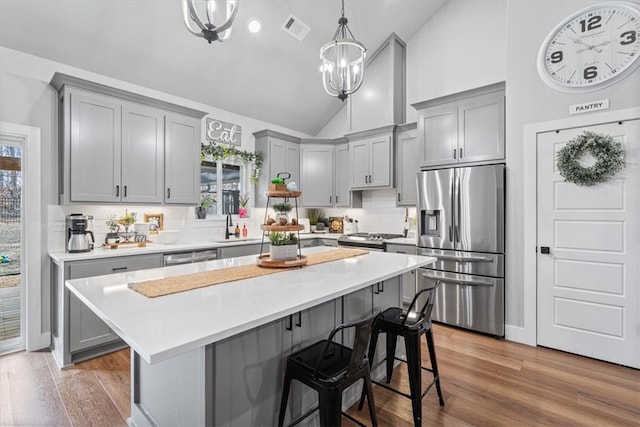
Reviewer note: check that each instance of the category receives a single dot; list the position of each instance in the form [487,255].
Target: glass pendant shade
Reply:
[212,9]
[342,62]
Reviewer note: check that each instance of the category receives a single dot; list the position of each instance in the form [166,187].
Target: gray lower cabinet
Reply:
[327,242]
[249,368]
[78,334]
[357,305]
[408,279]
[385,295]
[240,250]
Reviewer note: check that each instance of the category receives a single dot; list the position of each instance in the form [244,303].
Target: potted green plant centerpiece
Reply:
[284,246]
[282,212]
[205,203]
[314,214]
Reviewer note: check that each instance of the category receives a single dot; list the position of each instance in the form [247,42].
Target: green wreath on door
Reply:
[608,153]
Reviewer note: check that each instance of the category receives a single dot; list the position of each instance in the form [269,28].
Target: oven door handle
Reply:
[464,258]
[472,282]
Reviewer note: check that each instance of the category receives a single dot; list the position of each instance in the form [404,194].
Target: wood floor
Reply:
[486,382]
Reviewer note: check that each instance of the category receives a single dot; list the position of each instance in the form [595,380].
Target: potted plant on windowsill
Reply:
[284,246]
[242,210]
[205,203]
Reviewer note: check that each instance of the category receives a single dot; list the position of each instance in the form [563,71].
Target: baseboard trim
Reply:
[517,334]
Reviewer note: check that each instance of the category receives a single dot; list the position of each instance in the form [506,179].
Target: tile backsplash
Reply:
[378,214]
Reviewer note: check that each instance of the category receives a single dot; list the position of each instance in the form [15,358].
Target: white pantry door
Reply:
[589,282]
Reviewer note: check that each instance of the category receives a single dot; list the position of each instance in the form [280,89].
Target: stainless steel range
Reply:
[371,241]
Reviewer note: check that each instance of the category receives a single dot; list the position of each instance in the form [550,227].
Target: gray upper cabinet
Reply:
[481,128]
[344,197]
[408,156]
[182,160]
[95,146]
[317,179]
[119,147]
[462,128]
[371,158]
[280,153]
[142,154]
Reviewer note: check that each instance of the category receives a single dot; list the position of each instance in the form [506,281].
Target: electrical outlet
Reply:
[58,226]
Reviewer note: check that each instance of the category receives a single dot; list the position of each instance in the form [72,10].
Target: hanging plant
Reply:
[225,152]
[609,155]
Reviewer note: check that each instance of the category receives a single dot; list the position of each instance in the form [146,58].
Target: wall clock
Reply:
[593,48]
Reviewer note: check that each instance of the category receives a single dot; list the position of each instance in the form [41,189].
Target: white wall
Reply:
[529,100]
[462,47]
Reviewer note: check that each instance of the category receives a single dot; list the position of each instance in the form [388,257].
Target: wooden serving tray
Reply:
[264,260]
[115,245]
[284,193]
[274,227]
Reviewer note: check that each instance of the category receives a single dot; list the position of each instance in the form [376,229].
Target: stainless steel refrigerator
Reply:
[461,214]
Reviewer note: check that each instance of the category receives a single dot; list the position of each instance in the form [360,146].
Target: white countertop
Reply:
[163,327]
[151,248]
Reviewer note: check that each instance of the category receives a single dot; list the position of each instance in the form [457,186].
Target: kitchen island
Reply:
[214,355]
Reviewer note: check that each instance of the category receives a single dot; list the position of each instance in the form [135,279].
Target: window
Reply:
[225,183]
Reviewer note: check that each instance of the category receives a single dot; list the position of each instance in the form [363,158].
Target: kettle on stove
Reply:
[77,234]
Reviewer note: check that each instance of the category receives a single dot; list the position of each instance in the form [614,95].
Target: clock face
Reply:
[592,49]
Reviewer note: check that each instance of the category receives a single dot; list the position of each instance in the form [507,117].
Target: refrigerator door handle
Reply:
[473,282]
[458,203]
[464,258]
[452,227]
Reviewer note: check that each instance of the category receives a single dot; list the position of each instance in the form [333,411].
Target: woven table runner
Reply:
[171,285]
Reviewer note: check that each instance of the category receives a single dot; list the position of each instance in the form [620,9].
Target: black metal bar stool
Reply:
[329,368]
[410,325]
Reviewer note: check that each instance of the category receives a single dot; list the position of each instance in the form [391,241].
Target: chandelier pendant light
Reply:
[342,62]
[206,29]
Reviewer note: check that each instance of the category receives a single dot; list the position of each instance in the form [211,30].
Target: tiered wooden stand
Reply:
[264,259]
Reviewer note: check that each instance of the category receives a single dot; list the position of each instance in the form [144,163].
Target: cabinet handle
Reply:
[168,193]
[370,179]
[119,268]
[376,289]
[365,179]
[454,153]
[336,199]
[125,191]
[330,197]
[299,322]
[381,284]
[399,197]
[289,327]
[460,152]
[117,191]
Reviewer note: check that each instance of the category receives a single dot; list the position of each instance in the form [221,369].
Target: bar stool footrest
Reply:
[408,396]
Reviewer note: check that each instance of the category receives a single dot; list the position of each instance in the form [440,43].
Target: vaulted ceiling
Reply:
[270,76]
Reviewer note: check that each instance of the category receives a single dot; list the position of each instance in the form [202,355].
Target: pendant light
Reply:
[208,30]
[342,62]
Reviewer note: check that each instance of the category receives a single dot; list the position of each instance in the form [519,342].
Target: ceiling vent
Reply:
[296,28]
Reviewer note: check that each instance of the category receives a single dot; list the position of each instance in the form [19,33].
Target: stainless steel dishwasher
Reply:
[189,257]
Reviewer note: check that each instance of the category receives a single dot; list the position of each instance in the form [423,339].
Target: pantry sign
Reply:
[219,132]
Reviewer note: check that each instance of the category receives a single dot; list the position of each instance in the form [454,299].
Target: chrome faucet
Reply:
[228,223]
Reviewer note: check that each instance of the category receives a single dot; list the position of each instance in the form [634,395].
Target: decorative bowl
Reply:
[168,237]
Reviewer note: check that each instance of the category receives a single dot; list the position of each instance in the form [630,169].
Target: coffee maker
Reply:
[77,234]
